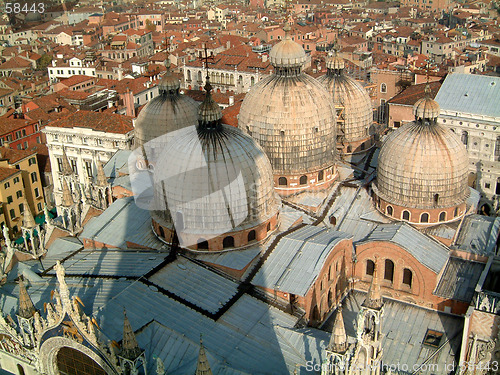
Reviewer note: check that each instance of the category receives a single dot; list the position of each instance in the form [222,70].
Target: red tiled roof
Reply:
[14,155]
[413,93]
[7,172]
[110,123]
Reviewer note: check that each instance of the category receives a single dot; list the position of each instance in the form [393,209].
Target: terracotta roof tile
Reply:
[7,172]
[110,123]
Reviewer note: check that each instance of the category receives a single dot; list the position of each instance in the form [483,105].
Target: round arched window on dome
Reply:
[442,216]
[406,215]
[282,181]
[424,218]
[228,242]
[455,213]
[202,244]
[389,210]
[268,227]
[321,176]
[251,235]
[303,180]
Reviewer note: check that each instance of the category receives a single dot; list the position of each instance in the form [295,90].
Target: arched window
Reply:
[202,244]
[330,298]
[199,76]
[320,176]
[442,216]
[268,227]
[455,213]
[407,277]
[330,272]
[282,181]
[303,180]
[162,232]
[251,235]
[349,148]
[406,215]
[383,88]
[389,270]
[370,267]
[20,369]
[252,81]
[436,198]
[188,75]
[465,138]
[228,242]
[389,210]
[315,313]
[424,218]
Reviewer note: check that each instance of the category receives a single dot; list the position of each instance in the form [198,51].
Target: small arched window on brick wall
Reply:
[370,267]
[424,218]
[406,215]
[389,270]
[303,180]
[442,216]
[389,210]
[228,242]
[251,235]
[282,181]
[407,277]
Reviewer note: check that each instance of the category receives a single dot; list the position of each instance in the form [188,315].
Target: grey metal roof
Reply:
[117,163]
[250,338]
[426,250]
[459,279]
[470,93]
[109,262]
[123,222]
[235,259]
[297,259]
[478,234]
[59,249]
[404,327]
[188,280]
[355,213]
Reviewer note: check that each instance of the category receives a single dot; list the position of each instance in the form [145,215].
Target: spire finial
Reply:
[67,198]
[374,296]
[26,307]
[28,219]
[66,166]
[287,28]
[203,367]
[338,340]
[102,180]
[130,348]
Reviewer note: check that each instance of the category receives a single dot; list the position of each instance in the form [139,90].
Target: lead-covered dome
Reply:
[352,104]
[424,166]
[168,112]
[290,115]
[214,184]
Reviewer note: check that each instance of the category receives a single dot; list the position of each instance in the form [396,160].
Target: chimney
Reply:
[264,57]
[231,100]
[120,74]
[128,100]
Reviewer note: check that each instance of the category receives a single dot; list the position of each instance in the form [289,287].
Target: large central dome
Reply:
[422,170]
[214,185]
[291,116]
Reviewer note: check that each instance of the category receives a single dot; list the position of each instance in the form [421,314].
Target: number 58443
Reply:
[24,8]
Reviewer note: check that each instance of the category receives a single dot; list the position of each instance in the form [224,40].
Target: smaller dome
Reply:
[287,53]
[168,82]
[335,62]
[426,108]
